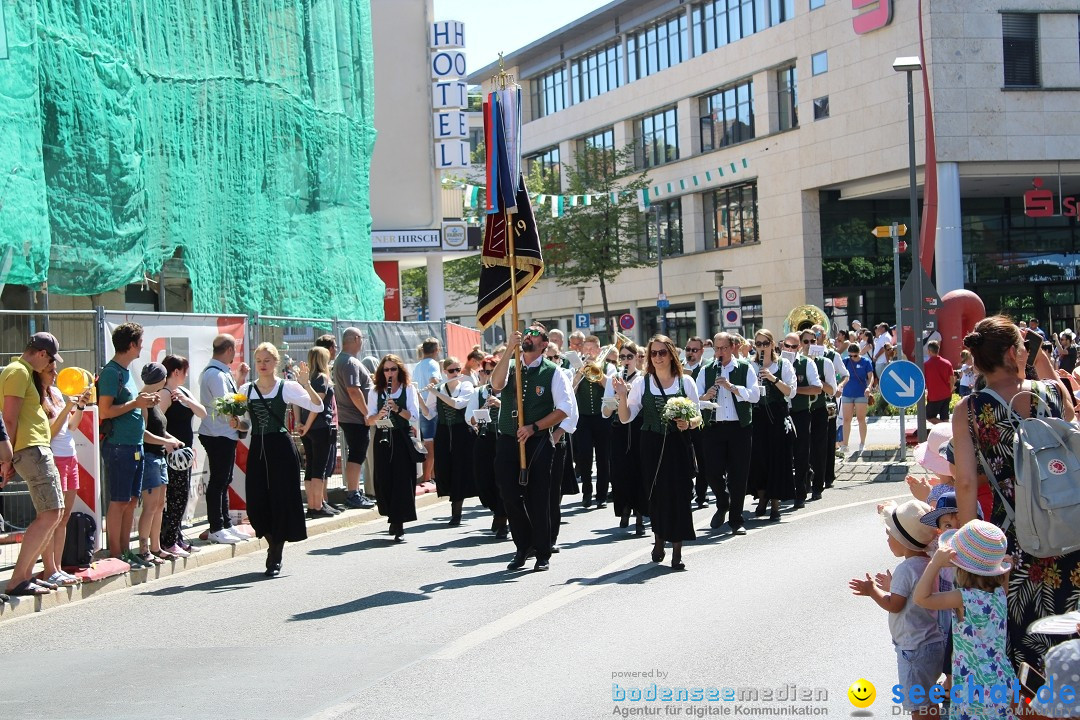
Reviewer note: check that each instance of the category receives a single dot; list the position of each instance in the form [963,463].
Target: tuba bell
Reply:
[805,317]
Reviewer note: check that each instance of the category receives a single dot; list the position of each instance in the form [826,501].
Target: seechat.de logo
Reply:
[873,19]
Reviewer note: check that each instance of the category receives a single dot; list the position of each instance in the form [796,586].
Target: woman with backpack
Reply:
[983,432]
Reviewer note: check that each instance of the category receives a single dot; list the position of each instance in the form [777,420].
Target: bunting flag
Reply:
[643,200]
[493,294]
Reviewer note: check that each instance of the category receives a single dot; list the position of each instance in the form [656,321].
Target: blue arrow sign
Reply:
[902,383]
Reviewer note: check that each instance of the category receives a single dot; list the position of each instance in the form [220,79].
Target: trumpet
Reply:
[593,371]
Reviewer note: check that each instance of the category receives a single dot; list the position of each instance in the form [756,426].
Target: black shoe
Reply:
[586,503]
[624,521]
[717,520]
[799,505]
[601,504]
[319,513]
[454,521]
[327,507]
[399,537]
[518,562]
[658,555]
[815,496]
[760,511]
[678,566]
[639,528]
[702,503]
[554,548]
[541,565]
[366,503]
[774,516]
[739,531]
[501,534]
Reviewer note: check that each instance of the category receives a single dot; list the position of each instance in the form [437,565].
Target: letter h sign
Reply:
[874,19]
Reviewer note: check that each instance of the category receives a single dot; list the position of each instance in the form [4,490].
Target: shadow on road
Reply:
[372,542]
[379,599]
[237,582]
[494,578]
[636,575]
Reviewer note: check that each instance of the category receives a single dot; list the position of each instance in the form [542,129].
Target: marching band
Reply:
[660,428]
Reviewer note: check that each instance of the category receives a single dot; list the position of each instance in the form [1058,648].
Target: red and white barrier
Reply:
[88,455]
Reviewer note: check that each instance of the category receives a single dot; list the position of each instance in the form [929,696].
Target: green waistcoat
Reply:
[818,401]
[743,410]
[589,395]
[449,415]
[267,415]
[652,408]
[772,395]
[696,371]
[487,428]
[401,400]
[539,402]
[800,402]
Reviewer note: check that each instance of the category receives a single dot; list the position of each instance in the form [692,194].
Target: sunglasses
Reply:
[806,341]
[390,370]
[791,347]
[658,353]
[693,350]
[762,343]
[535,333]
[453,371]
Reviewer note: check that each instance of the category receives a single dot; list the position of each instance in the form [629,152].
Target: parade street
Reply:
[358,627]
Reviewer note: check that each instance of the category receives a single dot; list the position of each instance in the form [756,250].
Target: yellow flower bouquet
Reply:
[232,404]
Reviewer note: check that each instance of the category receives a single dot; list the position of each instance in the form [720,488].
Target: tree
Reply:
[594,243]
[460,278]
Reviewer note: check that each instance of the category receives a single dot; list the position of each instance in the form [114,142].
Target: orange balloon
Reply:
[72,381]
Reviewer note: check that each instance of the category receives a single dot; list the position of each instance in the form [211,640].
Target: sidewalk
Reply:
[208,555]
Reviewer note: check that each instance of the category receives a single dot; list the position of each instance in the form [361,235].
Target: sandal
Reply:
[149,560]
[163,555]
[26,589]
[62,579]
[47,584]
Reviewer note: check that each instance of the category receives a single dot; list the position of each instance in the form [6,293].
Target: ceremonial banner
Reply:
[493,297]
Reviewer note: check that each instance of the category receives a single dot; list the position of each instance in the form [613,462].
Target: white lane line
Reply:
[566,595]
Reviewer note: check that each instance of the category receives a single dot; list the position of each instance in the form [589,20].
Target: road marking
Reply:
[566,595]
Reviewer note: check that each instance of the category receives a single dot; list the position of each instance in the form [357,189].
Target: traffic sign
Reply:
[931,299]
[626,321]
[663,303]
[732,318]
[731,297]
[582,321]
[884,231]
[902,383]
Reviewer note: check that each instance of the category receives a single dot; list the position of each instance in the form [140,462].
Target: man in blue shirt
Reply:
[121,408]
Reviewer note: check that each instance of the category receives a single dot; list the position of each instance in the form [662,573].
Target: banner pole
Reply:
[518,397]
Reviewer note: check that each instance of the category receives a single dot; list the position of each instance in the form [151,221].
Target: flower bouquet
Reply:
[232,405]
[681,408]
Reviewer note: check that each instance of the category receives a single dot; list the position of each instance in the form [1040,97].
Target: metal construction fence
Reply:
[85,341]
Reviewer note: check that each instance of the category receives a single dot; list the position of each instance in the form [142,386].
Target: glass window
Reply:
[727,116]
[657,47]
[716,23]
[657,138]
[815,4]
[549,164]
[787,98]
[549,93]
[1020,40]
[821,108]
[731,216]
[596,73]
[819,63]
[669,215]
[596,154]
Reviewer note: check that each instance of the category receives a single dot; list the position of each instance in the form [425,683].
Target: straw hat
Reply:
[902,522]
[980,548]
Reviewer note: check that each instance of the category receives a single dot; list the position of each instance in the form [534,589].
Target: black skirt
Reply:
[274,503]
[453,462]
[667,466]
[395,476]
[630,493]
[771,473]
[484,472]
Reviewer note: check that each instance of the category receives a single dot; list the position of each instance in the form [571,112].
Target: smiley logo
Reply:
[862,693]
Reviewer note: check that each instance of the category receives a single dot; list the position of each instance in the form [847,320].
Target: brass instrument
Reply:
[593,369]
[593,372]
[805,317]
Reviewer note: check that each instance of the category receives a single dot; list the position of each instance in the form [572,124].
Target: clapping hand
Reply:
[864,588]
[884,580]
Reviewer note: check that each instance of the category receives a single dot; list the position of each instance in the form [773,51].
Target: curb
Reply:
[209,554]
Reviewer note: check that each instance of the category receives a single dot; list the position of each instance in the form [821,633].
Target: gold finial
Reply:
[502,79]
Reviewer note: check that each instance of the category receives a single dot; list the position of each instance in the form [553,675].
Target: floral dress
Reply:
[1037,586]
[979,653]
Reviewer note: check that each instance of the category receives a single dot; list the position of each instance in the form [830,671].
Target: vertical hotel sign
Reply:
[449,95]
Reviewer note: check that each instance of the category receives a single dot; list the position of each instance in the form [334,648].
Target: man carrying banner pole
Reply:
[512,263]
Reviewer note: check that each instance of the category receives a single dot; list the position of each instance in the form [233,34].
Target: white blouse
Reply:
[291,391]
[411,403]
[786,375]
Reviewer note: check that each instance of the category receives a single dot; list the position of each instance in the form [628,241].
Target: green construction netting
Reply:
[238,130]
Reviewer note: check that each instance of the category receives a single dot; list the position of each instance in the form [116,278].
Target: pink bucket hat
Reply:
[928,454]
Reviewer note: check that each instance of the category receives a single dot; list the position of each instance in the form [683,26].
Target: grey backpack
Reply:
[1046,452]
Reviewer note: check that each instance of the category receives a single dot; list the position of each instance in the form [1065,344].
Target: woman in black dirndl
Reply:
[666,452]
[392,401]
[771,473]
[453,438]
[483,456]
[274,503]
[631,496]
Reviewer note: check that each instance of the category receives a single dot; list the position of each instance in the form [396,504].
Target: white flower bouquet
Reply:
[681,408]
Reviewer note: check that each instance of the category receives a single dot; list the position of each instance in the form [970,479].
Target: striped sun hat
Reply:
[980,548]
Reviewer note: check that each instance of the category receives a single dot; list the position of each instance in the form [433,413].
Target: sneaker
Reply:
[843,451]
[353,501]
[187,547]
[177,551]
[327,507]
[862,449]
[223,537]
[366,502]
[240,537]
[320,513]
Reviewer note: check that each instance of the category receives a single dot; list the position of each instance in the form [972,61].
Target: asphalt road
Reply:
[357,627]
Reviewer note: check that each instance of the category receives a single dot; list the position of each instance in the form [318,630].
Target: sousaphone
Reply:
[804,317]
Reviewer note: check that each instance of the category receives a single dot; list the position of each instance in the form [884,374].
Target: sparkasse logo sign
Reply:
[874,19]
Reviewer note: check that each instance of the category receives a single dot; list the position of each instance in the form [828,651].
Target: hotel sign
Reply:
[449,95]
[877,14]
[405,239]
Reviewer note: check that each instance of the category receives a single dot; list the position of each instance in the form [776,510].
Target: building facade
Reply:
[775,135]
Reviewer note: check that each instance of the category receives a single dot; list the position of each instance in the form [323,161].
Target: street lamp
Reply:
[718,276]
[581,300]
[910,65]
[660,274]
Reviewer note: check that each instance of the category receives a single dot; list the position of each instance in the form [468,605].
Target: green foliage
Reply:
[852,256]
[460,279]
